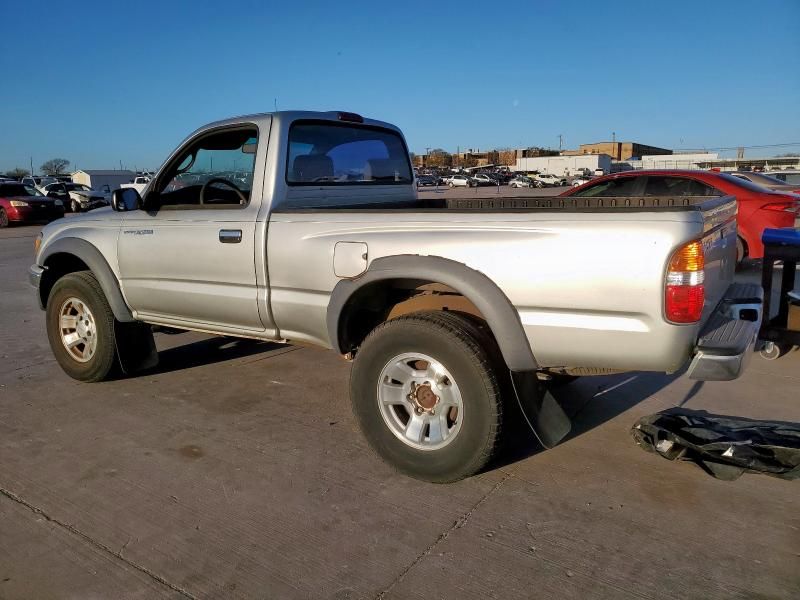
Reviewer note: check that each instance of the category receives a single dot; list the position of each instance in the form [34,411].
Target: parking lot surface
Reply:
[235,469]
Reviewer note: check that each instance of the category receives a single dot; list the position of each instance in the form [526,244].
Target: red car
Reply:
[759,208]
[20,203]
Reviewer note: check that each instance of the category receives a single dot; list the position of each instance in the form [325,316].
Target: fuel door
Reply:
[349,259]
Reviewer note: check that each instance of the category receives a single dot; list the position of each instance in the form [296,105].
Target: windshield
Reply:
[78,187]
[748,185]
[14,189]
[764,179]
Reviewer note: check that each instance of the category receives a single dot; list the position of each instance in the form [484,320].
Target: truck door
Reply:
[190,256]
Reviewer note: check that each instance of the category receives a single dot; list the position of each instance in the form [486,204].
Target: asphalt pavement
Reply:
[235,470]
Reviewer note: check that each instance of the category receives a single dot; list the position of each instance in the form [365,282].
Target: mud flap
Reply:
[541,410]
[136,348]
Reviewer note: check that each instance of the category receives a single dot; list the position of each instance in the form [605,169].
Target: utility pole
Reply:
[560,142]
[31,166]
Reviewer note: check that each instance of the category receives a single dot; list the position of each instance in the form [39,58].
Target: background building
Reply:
[618,150]
[97,179]
[564,166]
[667,161]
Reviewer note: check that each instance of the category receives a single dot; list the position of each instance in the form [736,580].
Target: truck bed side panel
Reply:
[588,287]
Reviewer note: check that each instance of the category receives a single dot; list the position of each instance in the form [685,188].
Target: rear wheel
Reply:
[425,394]
[741,251]
[80,327]
[3,218]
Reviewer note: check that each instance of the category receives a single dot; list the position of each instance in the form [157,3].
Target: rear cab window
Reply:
[324,153]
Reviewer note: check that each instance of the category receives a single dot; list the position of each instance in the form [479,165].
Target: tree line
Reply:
[51,168]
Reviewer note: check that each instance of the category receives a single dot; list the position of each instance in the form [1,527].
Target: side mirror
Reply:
[126,199]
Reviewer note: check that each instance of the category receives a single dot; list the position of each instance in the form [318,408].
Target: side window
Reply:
[328,153]
[619,186]
[214,171]
[677,186]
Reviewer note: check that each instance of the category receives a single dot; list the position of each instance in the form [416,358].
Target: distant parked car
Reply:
[550,180]
[140,182]
[37,182]
[20,203]
[483,179]
[758,207]
[520,181]
[460,181]
[426,180]
[580,180]
[76,196]
[767,181]
[599,172]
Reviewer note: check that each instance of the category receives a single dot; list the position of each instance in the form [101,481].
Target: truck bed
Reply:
[529,203]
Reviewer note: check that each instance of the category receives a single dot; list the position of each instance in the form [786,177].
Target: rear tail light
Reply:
[685,293]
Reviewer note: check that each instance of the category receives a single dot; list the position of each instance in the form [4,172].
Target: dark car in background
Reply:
[22,204]
[758,207]
[76,196]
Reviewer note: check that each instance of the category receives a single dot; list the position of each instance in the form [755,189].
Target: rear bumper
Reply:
[728,339]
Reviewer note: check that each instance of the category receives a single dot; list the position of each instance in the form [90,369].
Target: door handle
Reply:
[230,236]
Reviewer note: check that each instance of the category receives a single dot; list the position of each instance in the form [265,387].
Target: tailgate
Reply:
[719,248]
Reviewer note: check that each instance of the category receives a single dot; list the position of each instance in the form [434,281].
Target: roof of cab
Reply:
[287,116]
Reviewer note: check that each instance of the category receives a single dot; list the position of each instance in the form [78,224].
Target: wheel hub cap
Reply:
[78,330]
[420,401]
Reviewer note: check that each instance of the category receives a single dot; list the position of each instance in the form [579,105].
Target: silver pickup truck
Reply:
[306,227]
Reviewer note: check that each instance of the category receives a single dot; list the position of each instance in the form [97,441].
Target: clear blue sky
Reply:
[97,83]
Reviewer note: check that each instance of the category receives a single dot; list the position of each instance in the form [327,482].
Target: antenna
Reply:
[276,104]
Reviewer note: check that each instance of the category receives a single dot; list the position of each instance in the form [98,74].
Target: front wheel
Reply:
[80,327]
[426,396]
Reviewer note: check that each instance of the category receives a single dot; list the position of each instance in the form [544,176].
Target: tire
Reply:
[97,347]
[74,206]
[741,252]
[472,431]
[3,218]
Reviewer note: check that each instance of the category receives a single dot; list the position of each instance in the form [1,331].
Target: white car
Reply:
[139,183]
[459,181]
[580,181]
[482,179]
[520,181]
[548,179]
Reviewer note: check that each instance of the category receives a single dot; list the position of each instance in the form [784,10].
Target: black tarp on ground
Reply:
[725,446]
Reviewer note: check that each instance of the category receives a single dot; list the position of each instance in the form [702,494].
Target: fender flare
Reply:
[97,263]
[502,317]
